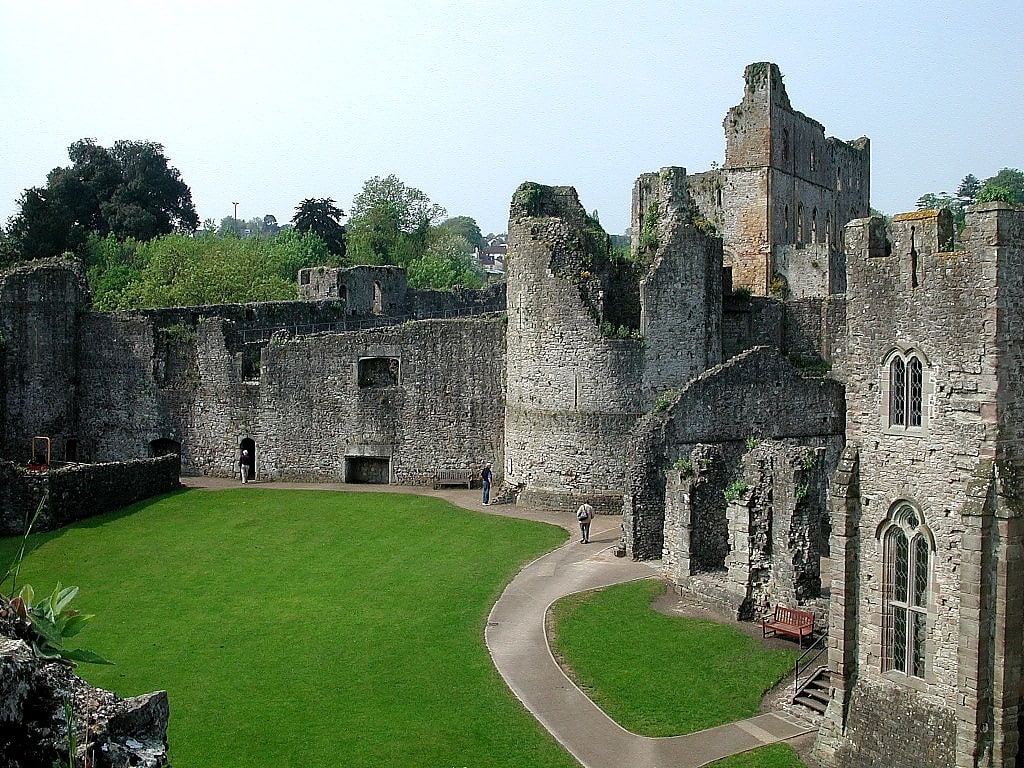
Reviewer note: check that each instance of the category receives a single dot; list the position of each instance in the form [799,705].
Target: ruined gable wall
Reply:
[444,409]
[40,306]
[755,394]
[945,305]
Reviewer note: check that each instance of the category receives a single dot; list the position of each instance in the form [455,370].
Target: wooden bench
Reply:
[789,621]
[453,477]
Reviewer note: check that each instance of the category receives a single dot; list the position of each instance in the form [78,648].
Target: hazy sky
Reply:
[267,103]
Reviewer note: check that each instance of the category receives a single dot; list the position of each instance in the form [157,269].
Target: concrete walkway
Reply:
[517,641]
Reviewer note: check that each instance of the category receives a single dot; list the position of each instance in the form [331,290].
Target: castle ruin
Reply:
[773,377]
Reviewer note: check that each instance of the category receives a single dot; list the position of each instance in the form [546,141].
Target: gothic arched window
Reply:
[906,391]
[906,590]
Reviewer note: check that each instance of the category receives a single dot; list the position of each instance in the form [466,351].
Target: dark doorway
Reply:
[248,444]
[71,449]
[165,447]
[375,470]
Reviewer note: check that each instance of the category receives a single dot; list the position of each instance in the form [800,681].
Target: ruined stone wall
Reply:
[681,292]
[757,394]
[40,306]
[436,401]
[910,296]
[80,491]
[750,321]
[783,194]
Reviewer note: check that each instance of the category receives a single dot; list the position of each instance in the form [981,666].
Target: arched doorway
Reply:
[248,444]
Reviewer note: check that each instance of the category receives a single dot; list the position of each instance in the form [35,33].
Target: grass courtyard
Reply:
[296,628]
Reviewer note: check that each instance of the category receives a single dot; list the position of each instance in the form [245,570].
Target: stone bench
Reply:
[453,477]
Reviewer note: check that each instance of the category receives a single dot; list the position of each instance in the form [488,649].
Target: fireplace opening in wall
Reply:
[373,470]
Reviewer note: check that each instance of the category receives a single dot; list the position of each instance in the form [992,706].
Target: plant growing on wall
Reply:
[685,466]
[734,490]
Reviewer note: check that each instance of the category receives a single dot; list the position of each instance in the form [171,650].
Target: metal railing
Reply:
[807,659]
[255,335]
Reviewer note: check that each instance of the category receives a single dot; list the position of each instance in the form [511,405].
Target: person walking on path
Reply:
[585,514]
[485,480]
[245,465]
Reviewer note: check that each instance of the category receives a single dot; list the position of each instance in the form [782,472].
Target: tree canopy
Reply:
[178,270]
[129,191]
[1007,185]
[321,216]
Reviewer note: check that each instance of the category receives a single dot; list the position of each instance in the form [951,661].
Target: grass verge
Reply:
[772,756]
[298,628]
[660,675]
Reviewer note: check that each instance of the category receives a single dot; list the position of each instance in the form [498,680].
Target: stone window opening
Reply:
[905,389]
[907,546]
[785,145]
[814,225]
[378,299]
[814,160]
[378,372]
[785,223]
[800,222]
[828,228]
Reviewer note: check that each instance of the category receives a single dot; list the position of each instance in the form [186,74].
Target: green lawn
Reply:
[772,756]
[660,675]
[299,628]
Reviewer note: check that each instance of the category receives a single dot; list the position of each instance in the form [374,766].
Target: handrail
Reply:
[818,647]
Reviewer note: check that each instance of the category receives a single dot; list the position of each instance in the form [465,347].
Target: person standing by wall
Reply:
[485,479]
[245,465]
[585,514]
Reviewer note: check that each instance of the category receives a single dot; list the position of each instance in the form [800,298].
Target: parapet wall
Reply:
[79,492]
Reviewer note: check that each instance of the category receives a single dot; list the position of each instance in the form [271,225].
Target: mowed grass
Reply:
[304,628]
[772,756]
[660,675]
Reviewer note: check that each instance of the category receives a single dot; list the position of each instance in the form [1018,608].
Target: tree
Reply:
[969,188]
[129,191]
[446,262]
[468,228]
[389,222]
[322,216]
[1007,185]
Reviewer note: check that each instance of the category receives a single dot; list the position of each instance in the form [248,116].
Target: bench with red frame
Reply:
[788,621]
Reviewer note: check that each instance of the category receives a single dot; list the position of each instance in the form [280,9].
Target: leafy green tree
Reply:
[129,190]
[446,262]
[389,222]
[969,188]
[322,217]
[468,228]
[1007,185]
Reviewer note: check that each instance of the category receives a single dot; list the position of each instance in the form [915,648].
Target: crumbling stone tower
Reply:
[591,341]
[783,195]
[927,611]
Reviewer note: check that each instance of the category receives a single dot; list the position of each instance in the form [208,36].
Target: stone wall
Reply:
[110,731]
[80,491]
[40,305]
[959,314]
[757,394]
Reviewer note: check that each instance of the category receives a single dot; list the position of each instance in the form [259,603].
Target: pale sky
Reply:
[267,103]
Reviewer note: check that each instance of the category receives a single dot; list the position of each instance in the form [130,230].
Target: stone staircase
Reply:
[814,692]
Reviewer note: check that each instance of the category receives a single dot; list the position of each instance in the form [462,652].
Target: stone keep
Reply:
[578,373]
[928,579]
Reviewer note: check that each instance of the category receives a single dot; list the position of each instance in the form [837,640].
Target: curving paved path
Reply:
[517,641]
